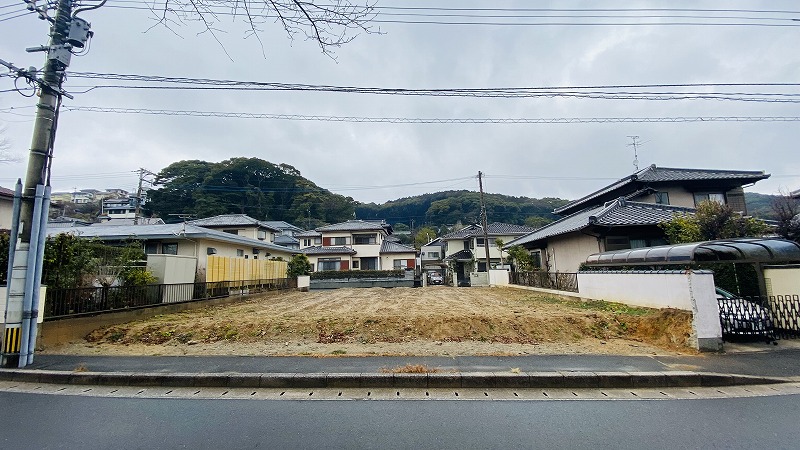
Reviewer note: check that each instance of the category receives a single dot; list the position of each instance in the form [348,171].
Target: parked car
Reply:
[435,278]
[742,317]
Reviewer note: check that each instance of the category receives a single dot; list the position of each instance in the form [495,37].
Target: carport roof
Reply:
[741,250]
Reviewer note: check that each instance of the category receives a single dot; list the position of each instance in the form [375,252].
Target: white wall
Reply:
[566,253]
[6,208]
[498,277]
[172,269]
[687,290]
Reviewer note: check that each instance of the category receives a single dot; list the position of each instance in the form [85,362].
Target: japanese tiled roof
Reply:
[224,220]
[354,225]
[494,229]
[320,250]
[161,232]
[396,247]
[6,192]
[285,240]
[616,213]
[460,256]
[653,174]
[281,225]
[307,234]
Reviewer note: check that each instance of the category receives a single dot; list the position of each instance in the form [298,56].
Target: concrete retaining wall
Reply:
[365,283]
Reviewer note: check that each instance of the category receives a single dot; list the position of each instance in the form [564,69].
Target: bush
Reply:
[357,274]
[298,266]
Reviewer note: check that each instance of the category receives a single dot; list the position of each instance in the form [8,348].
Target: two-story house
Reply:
[355,245]
[465,249]
[626,213]
[240,225]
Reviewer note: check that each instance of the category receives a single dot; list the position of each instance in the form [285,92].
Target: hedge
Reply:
[357,274]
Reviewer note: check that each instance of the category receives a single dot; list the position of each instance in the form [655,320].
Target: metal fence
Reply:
[560,281]
[63,303]
[773,317]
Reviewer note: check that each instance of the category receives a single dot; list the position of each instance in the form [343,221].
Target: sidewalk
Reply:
[574,371]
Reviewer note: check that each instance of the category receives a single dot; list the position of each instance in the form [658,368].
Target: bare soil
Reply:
[400,321]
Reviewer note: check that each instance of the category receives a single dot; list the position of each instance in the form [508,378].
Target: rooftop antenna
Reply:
[635,144]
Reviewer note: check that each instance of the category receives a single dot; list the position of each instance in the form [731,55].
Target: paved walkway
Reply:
[766,364]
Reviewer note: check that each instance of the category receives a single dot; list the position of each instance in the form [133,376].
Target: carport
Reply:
[757,251]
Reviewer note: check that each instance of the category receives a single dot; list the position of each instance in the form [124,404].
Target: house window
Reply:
[169,249]
[231,231]
[329,264]
[151,248]
[536,257]
[262,235]
[700,197]
[617,243]
[480,242]
[369,263]
[317,241]
[662,198]
[433,255]
[339,241]
[239,252]
[306,242]
[355,264]
[364,239]
[399,264]
[469,244]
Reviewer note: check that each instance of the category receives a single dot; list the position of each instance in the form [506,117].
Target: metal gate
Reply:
[773,317]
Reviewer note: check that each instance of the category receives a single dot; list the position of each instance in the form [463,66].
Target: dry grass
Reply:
[381,321]
[411,368]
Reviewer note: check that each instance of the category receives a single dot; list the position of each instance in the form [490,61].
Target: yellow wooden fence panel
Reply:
[227,268]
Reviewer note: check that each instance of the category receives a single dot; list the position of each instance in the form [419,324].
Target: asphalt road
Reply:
[52,421]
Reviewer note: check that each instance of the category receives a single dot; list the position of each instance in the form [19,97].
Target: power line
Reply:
[362,119]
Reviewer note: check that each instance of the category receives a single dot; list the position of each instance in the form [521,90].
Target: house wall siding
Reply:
[6,206]
[566,253]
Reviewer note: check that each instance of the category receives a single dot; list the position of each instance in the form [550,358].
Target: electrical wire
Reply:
[361,119]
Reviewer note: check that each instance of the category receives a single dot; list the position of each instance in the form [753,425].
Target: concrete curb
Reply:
[507,380]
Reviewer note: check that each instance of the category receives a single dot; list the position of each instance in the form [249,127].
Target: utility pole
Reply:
[142,172]
[19,336]
[483,221]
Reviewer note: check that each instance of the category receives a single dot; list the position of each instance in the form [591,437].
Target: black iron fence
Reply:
[63,303]
[559,281]
[773,317]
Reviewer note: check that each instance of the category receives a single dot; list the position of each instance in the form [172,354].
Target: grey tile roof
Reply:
[281,225]
[320,250]
[395,247]
[285,240]
[224,220]
[354,225]
[308,234]
[7,192]
[619,212]
[654,174]
[168,231]
[795,194]
[460,256]
[494,229]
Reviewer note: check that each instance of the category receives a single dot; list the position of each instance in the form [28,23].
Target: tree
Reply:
[787,211]
[298,265]
[520,259]
[423,236]
[5,145]
[711,221]
[331,24]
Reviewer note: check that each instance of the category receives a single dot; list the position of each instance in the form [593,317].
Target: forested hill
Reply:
[268,191]
[451,207]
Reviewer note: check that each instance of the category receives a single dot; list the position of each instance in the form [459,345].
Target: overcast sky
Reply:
[368,161]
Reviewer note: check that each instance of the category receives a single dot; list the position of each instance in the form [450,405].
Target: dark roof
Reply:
[493,229]
[281,225]
[320,250]
[225,220]
[357,225]
[394,247]
[306,234]
[617,213]
[168,231]
[286,240]
[6,192]
[727,250]
[462,255]
[795,194]
[655,175]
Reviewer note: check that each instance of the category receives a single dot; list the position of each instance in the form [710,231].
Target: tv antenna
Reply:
[635,144]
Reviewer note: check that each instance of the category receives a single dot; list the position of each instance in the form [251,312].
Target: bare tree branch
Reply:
[330,24]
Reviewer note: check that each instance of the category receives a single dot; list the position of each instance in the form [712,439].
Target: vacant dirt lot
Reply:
[400,321]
